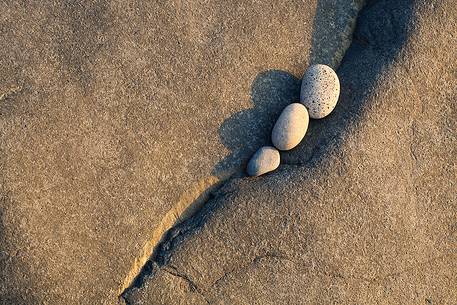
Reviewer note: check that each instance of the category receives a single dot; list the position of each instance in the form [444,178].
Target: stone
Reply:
[265,160]
[291,126]
[320,90]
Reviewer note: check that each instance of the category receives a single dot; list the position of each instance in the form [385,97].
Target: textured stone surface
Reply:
[364,210]
[99,100]
[320,90]
[265,160]
[290,127]
[329,41]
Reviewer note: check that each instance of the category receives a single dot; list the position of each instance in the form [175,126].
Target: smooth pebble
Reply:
[291,126]
[320,90]
[265,160]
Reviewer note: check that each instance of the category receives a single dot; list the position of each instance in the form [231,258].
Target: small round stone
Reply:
[320,90]
[265,160]
[291,126]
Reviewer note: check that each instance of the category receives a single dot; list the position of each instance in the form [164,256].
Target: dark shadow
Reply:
[381,32]
[245,131]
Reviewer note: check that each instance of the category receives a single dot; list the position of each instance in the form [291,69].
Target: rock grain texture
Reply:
[363,211]
[115,115]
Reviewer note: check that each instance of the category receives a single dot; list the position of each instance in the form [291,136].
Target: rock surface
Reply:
[265,160]
[364,210]
[320,90]
[99,100]
[291,126]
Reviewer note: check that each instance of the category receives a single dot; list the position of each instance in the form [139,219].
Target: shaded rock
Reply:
[265,160]
[291,126]
[320,90]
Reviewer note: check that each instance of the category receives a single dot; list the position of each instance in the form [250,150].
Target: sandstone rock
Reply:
[320,90]
[98,102]
[291,126]
[364,211]
[265,160]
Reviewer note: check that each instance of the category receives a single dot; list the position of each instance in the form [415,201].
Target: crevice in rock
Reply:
[193,286]
[375,279]
[255,260]
[170,228]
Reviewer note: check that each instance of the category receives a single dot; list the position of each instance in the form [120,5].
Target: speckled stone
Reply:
[291,126]
[320,90]
[265,160]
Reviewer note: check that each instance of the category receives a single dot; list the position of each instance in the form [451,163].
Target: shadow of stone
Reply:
[245,131]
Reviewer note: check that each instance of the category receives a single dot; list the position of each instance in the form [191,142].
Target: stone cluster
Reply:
[319,94]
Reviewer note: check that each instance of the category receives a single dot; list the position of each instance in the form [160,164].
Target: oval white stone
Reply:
[291,126]
[265,160]
[320,89]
